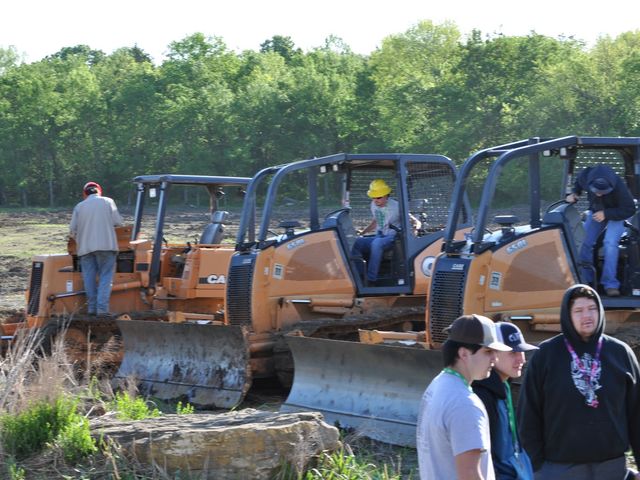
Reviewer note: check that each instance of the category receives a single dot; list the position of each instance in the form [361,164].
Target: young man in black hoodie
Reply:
[579,407]
[610,204]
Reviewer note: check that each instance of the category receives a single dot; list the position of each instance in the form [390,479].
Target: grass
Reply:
[20,244]
[341,465]
[26,234]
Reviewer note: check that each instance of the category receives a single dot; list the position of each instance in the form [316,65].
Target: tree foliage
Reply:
[81,114]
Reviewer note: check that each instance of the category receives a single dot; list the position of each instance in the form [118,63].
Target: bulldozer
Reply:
[147,283]
[294,269]
[514,265]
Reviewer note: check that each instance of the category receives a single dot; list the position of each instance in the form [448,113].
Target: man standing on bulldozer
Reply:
[92,226]
[610,204]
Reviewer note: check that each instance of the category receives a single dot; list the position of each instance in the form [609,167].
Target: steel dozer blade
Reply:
[375,389]
[206,364]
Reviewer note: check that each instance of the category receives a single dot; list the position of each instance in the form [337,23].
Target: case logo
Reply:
[514,247]
[216,279]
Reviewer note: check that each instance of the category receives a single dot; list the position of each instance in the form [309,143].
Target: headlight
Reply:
[427,266]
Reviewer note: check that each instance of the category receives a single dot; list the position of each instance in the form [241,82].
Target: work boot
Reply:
[612,292]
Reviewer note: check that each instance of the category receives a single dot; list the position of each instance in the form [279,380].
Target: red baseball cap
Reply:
[90,188]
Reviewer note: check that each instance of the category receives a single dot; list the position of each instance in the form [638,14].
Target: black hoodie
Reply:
[618,204]
[555,422]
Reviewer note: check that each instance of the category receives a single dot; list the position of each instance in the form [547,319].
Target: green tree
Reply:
[406,69]
[283,46]
[124,137]
[29,116]
[194,110]
[9,58]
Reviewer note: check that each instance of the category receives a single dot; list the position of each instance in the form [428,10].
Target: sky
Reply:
[37,28]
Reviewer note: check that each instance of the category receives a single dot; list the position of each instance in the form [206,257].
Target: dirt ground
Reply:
[22,235]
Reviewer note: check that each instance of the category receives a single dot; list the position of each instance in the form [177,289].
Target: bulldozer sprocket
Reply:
[208,365]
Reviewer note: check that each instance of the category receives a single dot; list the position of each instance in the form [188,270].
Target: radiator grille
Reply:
[35,288]
[445,303]
[239,290]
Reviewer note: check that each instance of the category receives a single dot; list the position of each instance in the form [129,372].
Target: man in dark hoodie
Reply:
[579,407]
[610,204]
[510,461]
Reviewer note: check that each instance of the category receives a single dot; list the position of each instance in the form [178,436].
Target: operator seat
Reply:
[342,222]
[214,231]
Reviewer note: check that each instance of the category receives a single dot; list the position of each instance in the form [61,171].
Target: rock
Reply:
[232,445]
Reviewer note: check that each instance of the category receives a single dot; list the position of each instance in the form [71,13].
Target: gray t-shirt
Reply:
[452,420]
[385,216]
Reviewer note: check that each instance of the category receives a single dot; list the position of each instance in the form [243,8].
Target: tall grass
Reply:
[44,425]
[29,376]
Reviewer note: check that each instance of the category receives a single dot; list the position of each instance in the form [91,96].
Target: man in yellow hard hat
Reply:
[386,214]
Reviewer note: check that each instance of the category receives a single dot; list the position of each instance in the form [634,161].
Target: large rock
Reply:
[232,445]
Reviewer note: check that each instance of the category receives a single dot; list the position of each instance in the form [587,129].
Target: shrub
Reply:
[75,440]
[14,471]
[339,465]
[132,408]
[343,466]
[185,409]
[45,423]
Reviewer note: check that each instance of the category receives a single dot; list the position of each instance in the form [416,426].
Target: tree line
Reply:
[81,114]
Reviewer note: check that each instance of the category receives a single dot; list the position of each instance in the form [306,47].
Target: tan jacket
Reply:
[92,225]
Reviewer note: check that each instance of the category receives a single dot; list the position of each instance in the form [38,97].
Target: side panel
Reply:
[204,274]
[532,272]
[56,289]
[310,264]
[310,268]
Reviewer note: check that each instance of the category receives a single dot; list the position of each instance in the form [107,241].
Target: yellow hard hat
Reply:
[378,188]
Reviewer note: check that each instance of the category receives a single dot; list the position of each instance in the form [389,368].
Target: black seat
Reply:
[341,221]
[568,217]
[214,231]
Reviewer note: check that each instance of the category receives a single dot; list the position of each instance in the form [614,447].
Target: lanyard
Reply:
[381,213]
[512,418]
[587,376]
[455,373]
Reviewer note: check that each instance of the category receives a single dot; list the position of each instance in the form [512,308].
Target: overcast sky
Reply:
[38,28]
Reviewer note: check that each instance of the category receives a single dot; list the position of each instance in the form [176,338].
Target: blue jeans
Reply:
[97,274]
[614,230]
[372,248]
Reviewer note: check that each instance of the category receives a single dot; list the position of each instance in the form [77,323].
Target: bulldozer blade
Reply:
[206,364]
[374,389]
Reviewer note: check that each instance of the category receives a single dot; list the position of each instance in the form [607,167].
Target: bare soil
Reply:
[21,235]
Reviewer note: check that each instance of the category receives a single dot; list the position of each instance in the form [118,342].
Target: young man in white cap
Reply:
[510,461]
[453,428]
